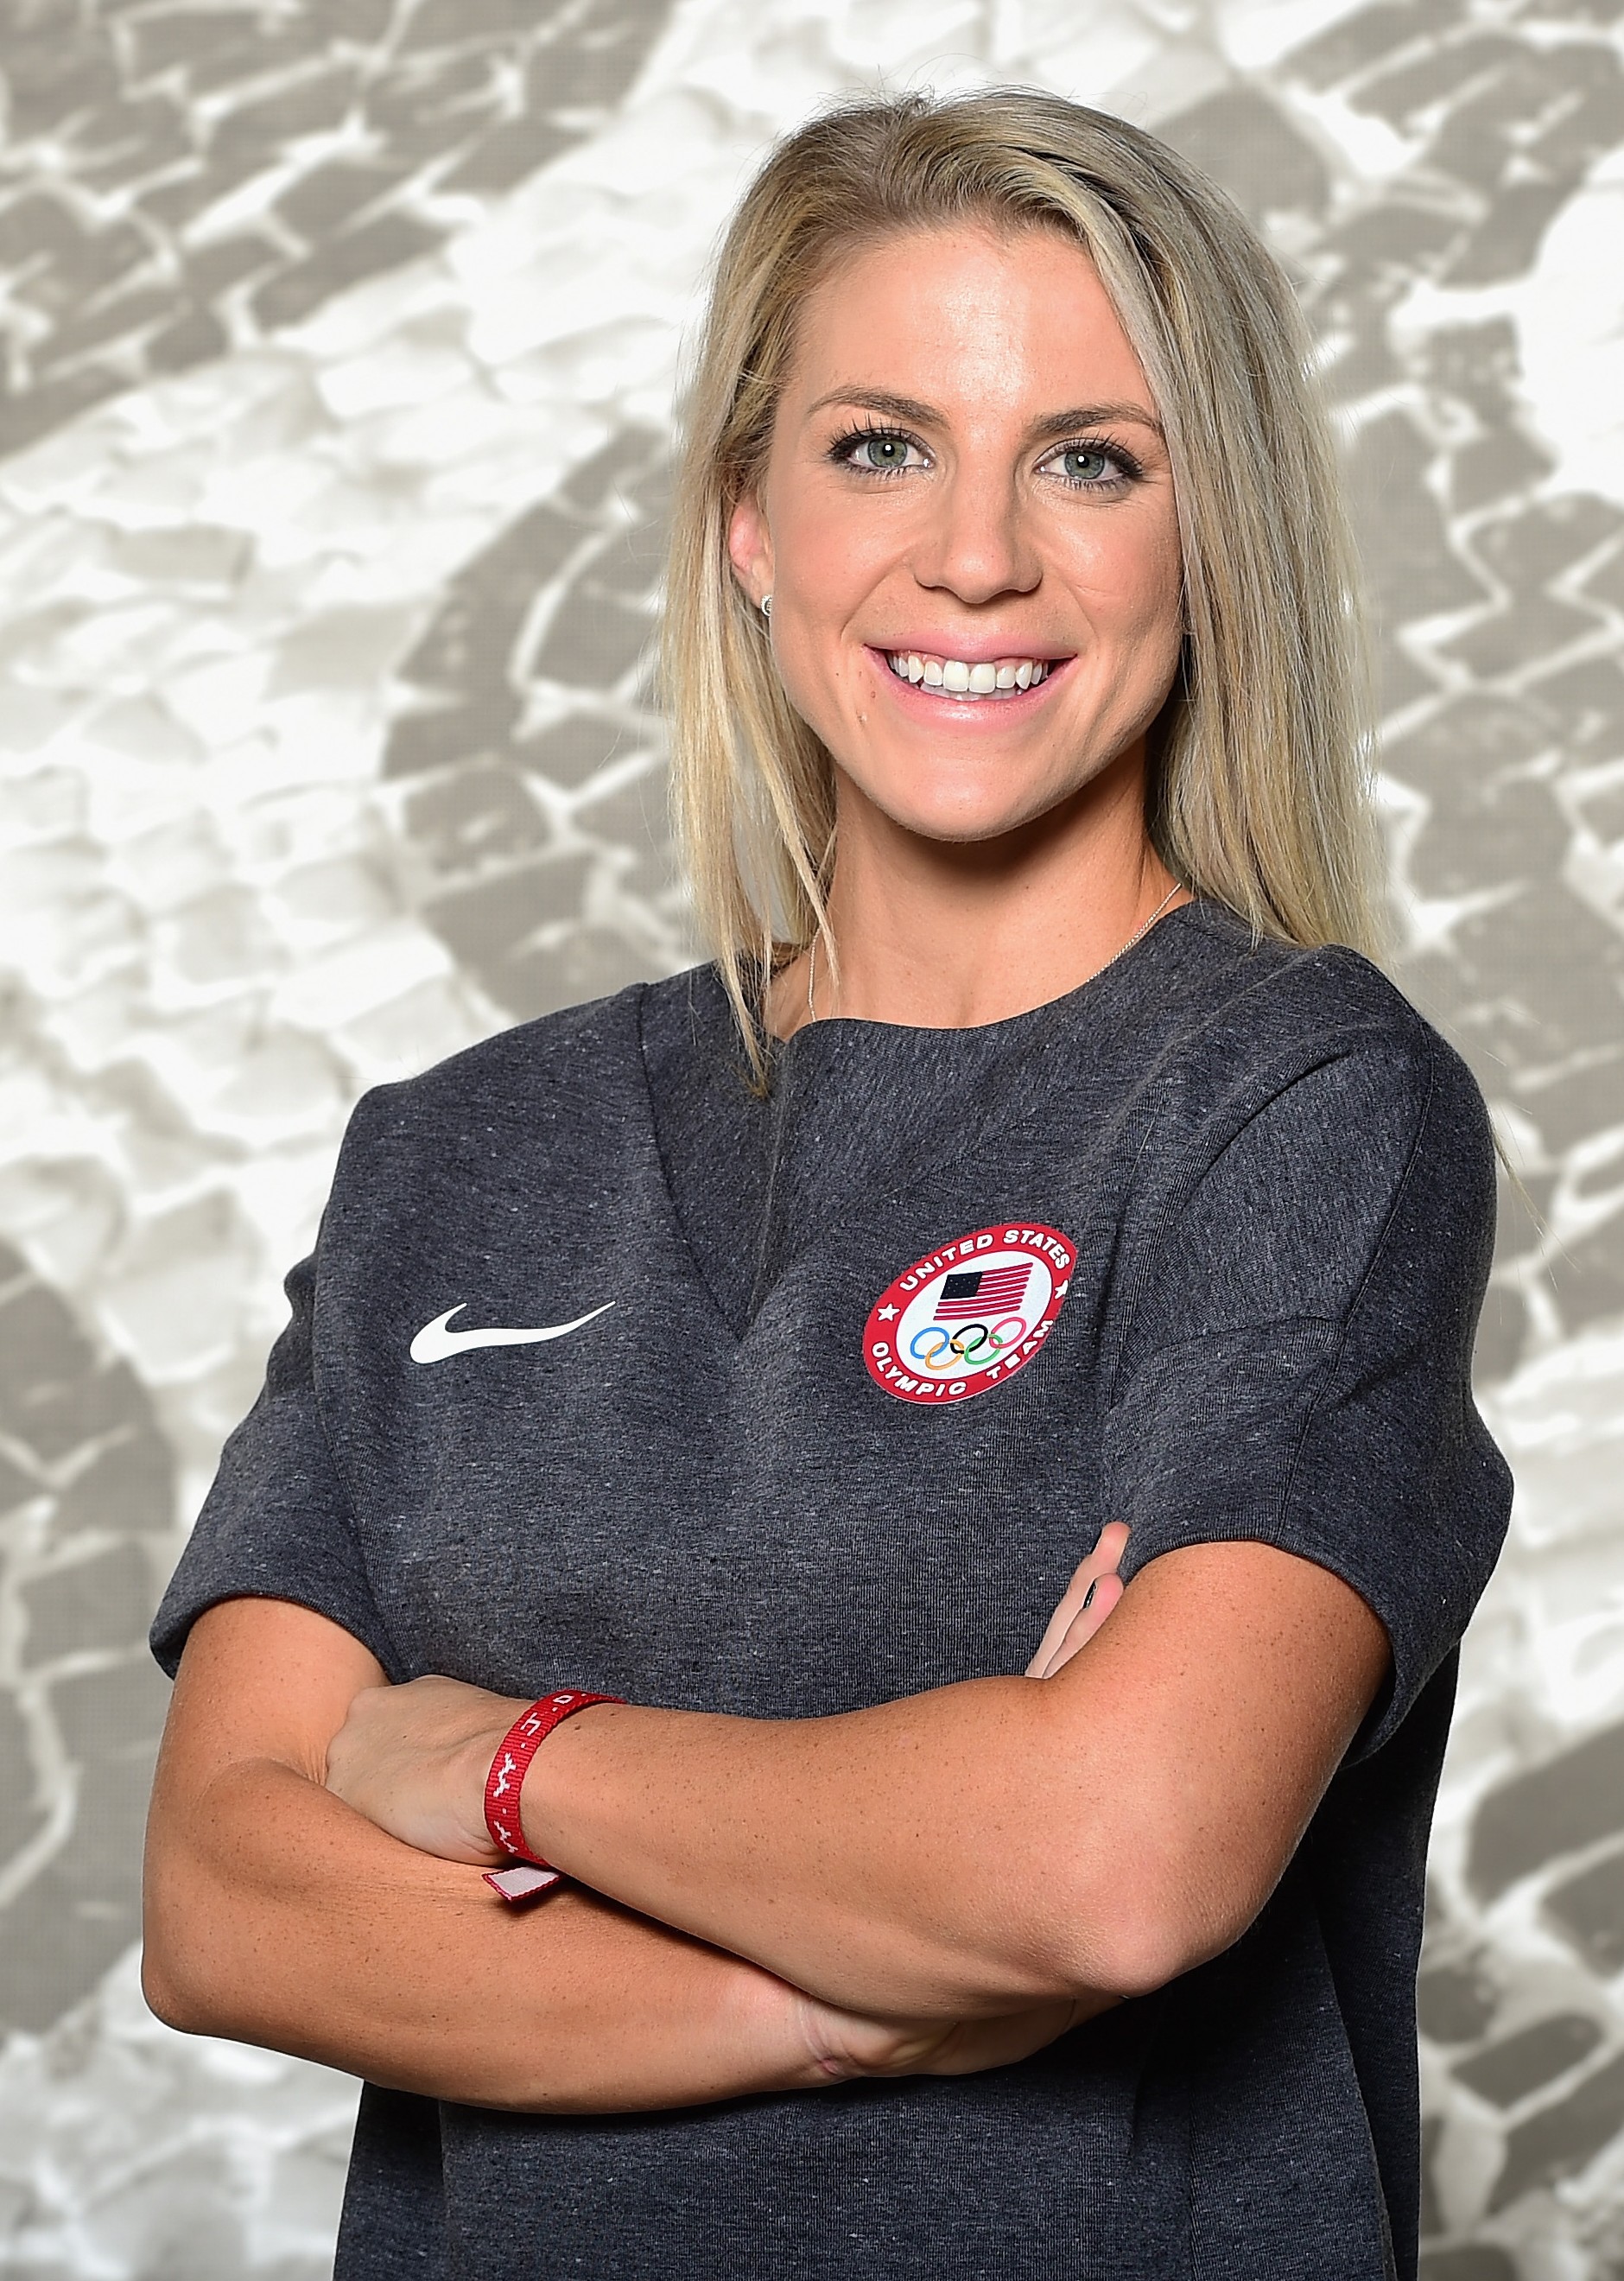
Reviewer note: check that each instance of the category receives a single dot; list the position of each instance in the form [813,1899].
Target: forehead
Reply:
[965,312]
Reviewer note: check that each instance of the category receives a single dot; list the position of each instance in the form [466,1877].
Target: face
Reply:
[967,526]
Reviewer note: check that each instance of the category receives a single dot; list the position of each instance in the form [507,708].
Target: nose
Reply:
[975,545]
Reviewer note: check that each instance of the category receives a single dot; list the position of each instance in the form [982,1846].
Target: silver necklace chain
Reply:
[1138,935]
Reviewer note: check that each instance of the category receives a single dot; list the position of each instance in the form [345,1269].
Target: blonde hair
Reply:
[1259,794]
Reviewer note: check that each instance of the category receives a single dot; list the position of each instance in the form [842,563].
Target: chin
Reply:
[958,830]
[964,817]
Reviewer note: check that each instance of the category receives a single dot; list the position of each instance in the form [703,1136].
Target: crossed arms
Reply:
[935,1885]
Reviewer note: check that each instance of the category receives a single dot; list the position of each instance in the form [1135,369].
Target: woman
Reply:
[764,1345]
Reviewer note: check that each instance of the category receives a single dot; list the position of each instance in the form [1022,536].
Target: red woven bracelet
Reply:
[506,1781]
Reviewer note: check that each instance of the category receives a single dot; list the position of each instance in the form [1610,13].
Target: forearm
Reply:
[1002,1842]
[414,1758]
[278,1916]
[899,1857]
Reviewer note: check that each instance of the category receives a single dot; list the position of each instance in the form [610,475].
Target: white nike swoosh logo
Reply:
[434,1341]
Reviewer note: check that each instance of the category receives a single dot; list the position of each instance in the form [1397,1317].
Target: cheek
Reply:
[828,564]
[1164,575]
[825,572]
[1135,583]
[831,687]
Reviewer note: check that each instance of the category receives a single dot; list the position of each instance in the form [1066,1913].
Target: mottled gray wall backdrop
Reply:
[340,340]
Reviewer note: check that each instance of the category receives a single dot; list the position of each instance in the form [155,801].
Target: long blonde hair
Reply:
[1259,794]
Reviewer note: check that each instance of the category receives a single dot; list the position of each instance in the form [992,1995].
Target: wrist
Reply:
[508,1768]
[475,1760]
[557,1778]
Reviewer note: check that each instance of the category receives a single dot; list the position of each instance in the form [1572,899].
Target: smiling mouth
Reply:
[993,679]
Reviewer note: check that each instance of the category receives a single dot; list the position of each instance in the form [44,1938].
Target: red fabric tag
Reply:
[509,1766]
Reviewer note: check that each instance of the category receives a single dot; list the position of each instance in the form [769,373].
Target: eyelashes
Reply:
[1127,468]
[871,439]
[843,451]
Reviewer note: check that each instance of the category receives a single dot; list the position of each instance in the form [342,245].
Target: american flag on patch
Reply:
[982,1291]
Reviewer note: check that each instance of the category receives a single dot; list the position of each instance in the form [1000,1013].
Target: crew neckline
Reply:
[1006,1025]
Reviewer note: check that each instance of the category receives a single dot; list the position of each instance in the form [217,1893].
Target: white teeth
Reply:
[961,680]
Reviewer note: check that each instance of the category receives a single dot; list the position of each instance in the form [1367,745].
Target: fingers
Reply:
[845,2043]
[1087,1621]
[1091,1577]
[977,2045]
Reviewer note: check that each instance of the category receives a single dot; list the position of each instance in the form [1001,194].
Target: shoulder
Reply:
[1286,1081]
[587,1060]
[587,1048]
[1264,1021]
[1276,997]
[1308,1117]
[561,1100]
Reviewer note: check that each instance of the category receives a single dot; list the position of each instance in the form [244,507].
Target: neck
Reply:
[938,935]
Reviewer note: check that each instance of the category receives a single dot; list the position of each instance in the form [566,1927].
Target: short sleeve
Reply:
[1297,1369]
[276,1524]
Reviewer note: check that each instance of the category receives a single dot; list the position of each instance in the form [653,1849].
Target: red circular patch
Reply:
[967,1317]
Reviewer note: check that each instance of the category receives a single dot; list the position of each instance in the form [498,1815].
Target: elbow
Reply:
[1131,1934]
[180,1990]
[1134,1957]
[174,1981]
[175,1953]
[169,1997]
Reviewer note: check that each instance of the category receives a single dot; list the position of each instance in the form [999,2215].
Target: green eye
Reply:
[1081,466]
[885,451]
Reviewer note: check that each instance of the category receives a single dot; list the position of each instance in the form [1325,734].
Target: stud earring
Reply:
[766,606]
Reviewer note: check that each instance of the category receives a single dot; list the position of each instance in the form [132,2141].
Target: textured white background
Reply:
[341,342]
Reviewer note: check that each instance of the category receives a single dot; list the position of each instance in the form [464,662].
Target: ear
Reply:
[749,545]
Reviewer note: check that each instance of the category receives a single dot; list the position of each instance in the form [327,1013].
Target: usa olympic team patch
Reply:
[965,1319]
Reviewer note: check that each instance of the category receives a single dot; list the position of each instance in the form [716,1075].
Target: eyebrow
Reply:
[926,415]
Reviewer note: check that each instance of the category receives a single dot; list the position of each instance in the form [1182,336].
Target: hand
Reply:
[1093,1592]
[414,1760]
[844,2044]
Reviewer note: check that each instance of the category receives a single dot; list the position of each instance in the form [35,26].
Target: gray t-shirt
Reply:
[1200,1246]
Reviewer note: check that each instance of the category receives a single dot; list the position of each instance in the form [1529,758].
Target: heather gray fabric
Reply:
[1279,1184]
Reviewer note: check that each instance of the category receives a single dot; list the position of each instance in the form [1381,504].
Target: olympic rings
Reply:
[960,1347]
